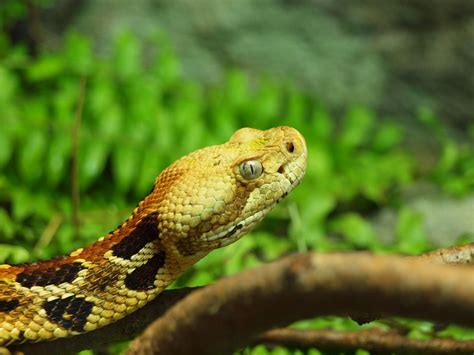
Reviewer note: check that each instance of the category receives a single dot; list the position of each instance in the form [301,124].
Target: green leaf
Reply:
[22,206]
[7,226]
[166,66]
[357,127]
[459,333]
[6,146]
[151,166]
[296,108]
[449,156]
[387,136]
[46,67]
[57,167]
[236,88]
[265,105]
[201,278]
[13,254]
[92,159]
[125,162]
[31,159]
[410,232]
[8,83]
[127,58]
[322,125]
[77,53]
[355,229]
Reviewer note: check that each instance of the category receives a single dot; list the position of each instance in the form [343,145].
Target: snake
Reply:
[205,200]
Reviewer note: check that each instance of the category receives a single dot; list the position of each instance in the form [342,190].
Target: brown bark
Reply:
[226,316]
[460,254]
[374,340]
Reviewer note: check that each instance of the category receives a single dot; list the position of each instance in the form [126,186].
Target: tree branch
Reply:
[134,324]
[238,308]
[374,340]
[460,254]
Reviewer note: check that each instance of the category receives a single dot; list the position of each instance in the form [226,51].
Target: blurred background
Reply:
[382,90]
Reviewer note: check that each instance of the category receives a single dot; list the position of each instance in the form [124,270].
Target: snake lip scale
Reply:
[241,223]
[206,200]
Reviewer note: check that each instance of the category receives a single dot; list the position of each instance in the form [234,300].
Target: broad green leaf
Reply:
[46,67]
[77,53]
[127,61]
[126,160]
[31,156]
[322,125]
[355,229]
[6,146]
[410,232]
[357,127]
[236,88]
[58,157]
[92,159]
[13,254]
[265,105]
[166,65]
[387,136]
[7,226]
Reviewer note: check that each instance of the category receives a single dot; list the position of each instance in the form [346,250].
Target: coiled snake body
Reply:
[205,200]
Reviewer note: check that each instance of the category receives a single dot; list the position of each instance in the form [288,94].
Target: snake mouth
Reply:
[294,181]
[234,231]
[288,170]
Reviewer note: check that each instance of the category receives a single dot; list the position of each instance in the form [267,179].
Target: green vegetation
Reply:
[141,113]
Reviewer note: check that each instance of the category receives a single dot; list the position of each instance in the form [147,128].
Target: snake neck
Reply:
[92,286]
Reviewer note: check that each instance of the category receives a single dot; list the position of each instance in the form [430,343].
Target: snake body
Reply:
[205,200]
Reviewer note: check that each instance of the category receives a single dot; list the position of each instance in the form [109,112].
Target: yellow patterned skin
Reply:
[203,201]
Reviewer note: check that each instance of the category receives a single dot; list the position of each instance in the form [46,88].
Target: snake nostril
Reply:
[281,169]
[290,147]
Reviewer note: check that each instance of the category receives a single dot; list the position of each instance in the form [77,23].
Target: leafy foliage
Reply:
[141,113]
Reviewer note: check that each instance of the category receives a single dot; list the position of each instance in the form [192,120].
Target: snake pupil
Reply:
[251,169]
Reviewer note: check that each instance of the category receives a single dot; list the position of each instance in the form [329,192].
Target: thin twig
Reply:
[75,154]
[48,233]
[34,27]
[374,340]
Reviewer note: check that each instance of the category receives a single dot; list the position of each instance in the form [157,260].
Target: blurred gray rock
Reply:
[445,218]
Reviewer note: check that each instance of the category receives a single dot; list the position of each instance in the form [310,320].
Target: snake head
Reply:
[213,196]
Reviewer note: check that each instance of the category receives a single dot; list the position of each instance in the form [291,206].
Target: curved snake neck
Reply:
[203,201]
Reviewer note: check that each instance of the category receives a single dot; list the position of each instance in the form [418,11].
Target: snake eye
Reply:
[251,169]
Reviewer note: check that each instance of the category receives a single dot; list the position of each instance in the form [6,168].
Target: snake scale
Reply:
[205,200]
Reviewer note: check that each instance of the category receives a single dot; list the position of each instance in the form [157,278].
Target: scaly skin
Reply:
[201,202]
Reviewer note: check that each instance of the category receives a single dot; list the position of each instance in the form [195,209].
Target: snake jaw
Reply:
[235,231]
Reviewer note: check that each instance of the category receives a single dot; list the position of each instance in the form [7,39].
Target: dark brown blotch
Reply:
[70,312]
[49,276]
[143,277]
[146,231]
[10,305]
